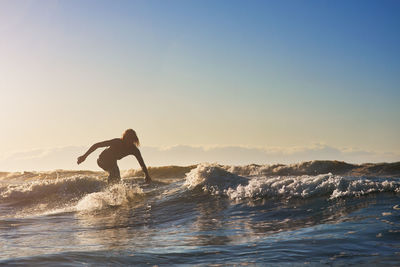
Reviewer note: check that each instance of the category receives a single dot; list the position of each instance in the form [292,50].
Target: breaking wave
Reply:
[116,195]
[314,167]
[75,193]
[218,180]
[37,190]
[30,193]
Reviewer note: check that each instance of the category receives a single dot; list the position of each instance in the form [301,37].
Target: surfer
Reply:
[118,148]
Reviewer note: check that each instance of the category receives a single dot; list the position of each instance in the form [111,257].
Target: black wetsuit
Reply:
[116,151]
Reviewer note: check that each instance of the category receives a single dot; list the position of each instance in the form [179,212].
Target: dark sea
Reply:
[313,213]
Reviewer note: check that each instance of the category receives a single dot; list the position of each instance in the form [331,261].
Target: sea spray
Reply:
[216,180]
[115,195]
[212,177]
[62,188]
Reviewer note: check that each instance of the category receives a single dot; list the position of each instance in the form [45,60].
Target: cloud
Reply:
[65,157]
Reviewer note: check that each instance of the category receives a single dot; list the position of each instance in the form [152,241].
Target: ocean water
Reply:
[316,213]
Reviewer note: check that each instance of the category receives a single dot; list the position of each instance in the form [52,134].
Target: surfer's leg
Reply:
[112,169]
[102,164]
[114,176]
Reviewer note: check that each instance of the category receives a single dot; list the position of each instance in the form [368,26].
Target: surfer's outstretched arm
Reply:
[139,158]
[93,148]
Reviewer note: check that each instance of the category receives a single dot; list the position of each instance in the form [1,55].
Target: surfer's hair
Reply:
[131,135]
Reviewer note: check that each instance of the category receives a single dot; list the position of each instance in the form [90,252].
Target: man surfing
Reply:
[118,148]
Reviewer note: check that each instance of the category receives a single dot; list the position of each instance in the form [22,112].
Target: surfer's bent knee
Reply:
[112,169]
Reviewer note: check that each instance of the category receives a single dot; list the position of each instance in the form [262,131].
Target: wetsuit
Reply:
[117,150]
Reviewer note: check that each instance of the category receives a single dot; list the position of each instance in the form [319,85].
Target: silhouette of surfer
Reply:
[118,148]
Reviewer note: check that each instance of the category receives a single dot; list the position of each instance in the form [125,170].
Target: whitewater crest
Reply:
[37,190]
[80,193]
[213,178]
[217,180]
[37,193]
[116,195]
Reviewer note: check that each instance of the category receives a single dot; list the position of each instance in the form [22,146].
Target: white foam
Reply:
[76,198]
[39,189]
[212,177]
[216,179]
[116,195]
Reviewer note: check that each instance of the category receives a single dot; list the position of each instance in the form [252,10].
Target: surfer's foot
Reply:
[147,180]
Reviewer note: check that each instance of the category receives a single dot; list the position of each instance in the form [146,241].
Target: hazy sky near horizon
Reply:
[240,73]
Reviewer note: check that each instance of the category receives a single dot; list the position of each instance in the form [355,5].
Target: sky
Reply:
[270,77]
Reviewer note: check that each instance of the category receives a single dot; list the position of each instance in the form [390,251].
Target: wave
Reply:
[75,193]
[116,195]
[217,180]
[161,172]
[60,191]
[314,167]
[37,190]
[26,176]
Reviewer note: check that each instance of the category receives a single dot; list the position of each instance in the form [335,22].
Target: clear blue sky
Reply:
[245,73]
